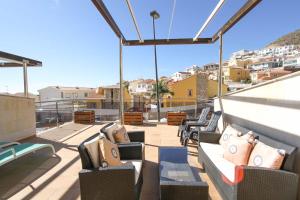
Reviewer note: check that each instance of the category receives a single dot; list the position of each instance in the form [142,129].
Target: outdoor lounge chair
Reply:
[106,183]
[7,144]
[192,133]
[202,120]
[14,152]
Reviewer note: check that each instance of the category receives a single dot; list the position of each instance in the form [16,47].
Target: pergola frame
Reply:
[11,60]
[244,10]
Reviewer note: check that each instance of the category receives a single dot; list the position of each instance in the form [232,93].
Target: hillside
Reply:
[288,39]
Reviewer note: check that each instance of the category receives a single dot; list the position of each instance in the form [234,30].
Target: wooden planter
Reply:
[175,118]
[133,118]
[84,117]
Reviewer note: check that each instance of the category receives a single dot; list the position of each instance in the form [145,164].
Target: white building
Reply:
[293,62]
[59,92]
[141,86]
[193,69]
[178,76]
[211,67]
[287,50]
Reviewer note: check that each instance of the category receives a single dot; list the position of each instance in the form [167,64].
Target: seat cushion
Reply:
[110,131]
[215,153]
[137,165]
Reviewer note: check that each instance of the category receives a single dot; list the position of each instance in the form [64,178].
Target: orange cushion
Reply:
[228,132]
[266,156]
[110,155]
[238,150]
[120,135]
[249,137]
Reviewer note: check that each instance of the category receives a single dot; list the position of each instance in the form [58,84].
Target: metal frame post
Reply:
[121,85]
[220,79]
[25,78]
[156,73]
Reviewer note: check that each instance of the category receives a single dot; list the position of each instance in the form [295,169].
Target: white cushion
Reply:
[92,148]
[137,165]
[110,131]
[215,153]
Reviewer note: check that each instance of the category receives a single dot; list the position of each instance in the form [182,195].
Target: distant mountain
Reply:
[288,39]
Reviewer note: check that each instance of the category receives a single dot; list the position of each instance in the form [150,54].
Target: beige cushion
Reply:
[120,135]
[110,130]
[110,155]
[266,156]
[137,165]
[93,150]
[238,150]
[229,131]
[215,153]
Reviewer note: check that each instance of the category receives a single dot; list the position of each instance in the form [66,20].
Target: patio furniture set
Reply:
[176,176]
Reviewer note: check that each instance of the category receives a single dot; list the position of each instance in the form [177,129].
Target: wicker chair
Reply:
[193,130]
[102,183]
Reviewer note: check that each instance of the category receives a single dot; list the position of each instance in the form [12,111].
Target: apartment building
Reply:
[179,76]
[61,92]
[141,87]
[261,76]
[235,74]
[192,89]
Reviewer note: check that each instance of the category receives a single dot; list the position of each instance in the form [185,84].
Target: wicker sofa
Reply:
[248,183]
[123,182]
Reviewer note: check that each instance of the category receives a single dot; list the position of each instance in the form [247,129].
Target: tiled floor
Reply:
[39,177]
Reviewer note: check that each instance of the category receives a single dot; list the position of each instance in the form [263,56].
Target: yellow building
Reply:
[235,74]
[191,90]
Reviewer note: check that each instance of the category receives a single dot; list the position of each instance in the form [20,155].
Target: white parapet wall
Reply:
[274,104]
[17,118]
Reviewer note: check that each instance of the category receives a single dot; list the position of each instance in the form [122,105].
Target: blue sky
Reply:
[78,48]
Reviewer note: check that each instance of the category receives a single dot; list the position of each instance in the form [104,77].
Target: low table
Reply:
[177,179]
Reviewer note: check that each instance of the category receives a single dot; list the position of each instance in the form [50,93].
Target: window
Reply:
[85,94]
[62,95]
[190,92]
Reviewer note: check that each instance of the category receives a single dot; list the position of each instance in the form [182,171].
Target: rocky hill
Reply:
[288,39]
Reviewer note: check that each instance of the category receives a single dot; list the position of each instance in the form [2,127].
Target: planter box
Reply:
[84,117]
[175,118]
[133,118]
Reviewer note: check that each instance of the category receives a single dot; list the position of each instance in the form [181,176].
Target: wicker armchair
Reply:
[102,183]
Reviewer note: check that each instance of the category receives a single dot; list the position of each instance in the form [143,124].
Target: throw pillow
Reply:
[228,132]
[120,135]
[110,130]
[110,153]
[249,137]
[93,150]
[266,156]
[238,150]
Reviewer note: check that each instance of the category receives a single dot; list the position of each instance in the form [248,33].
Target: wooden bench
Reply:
[84,117]
[175,118]
[133,118]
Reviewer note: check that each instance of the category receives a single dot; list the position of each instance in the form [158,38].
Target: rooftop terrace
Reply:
[38,176]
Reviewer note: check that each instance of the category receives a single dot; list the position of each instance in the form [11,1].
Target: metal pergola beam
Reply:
[167,42]
[134,20]
[17,60]
[108,18]
[247,7]
[12,65]
[210,17]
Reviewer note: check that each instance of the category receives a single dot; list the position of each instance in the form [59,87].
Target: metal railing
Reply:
[56,112]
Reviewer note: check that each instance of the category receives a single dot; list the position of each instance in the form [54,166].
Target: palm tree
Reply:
[162,89]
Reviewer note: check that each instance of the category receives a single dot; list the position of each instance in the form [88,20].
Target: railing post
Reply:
[220,81]
[57,115]
[121,99]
